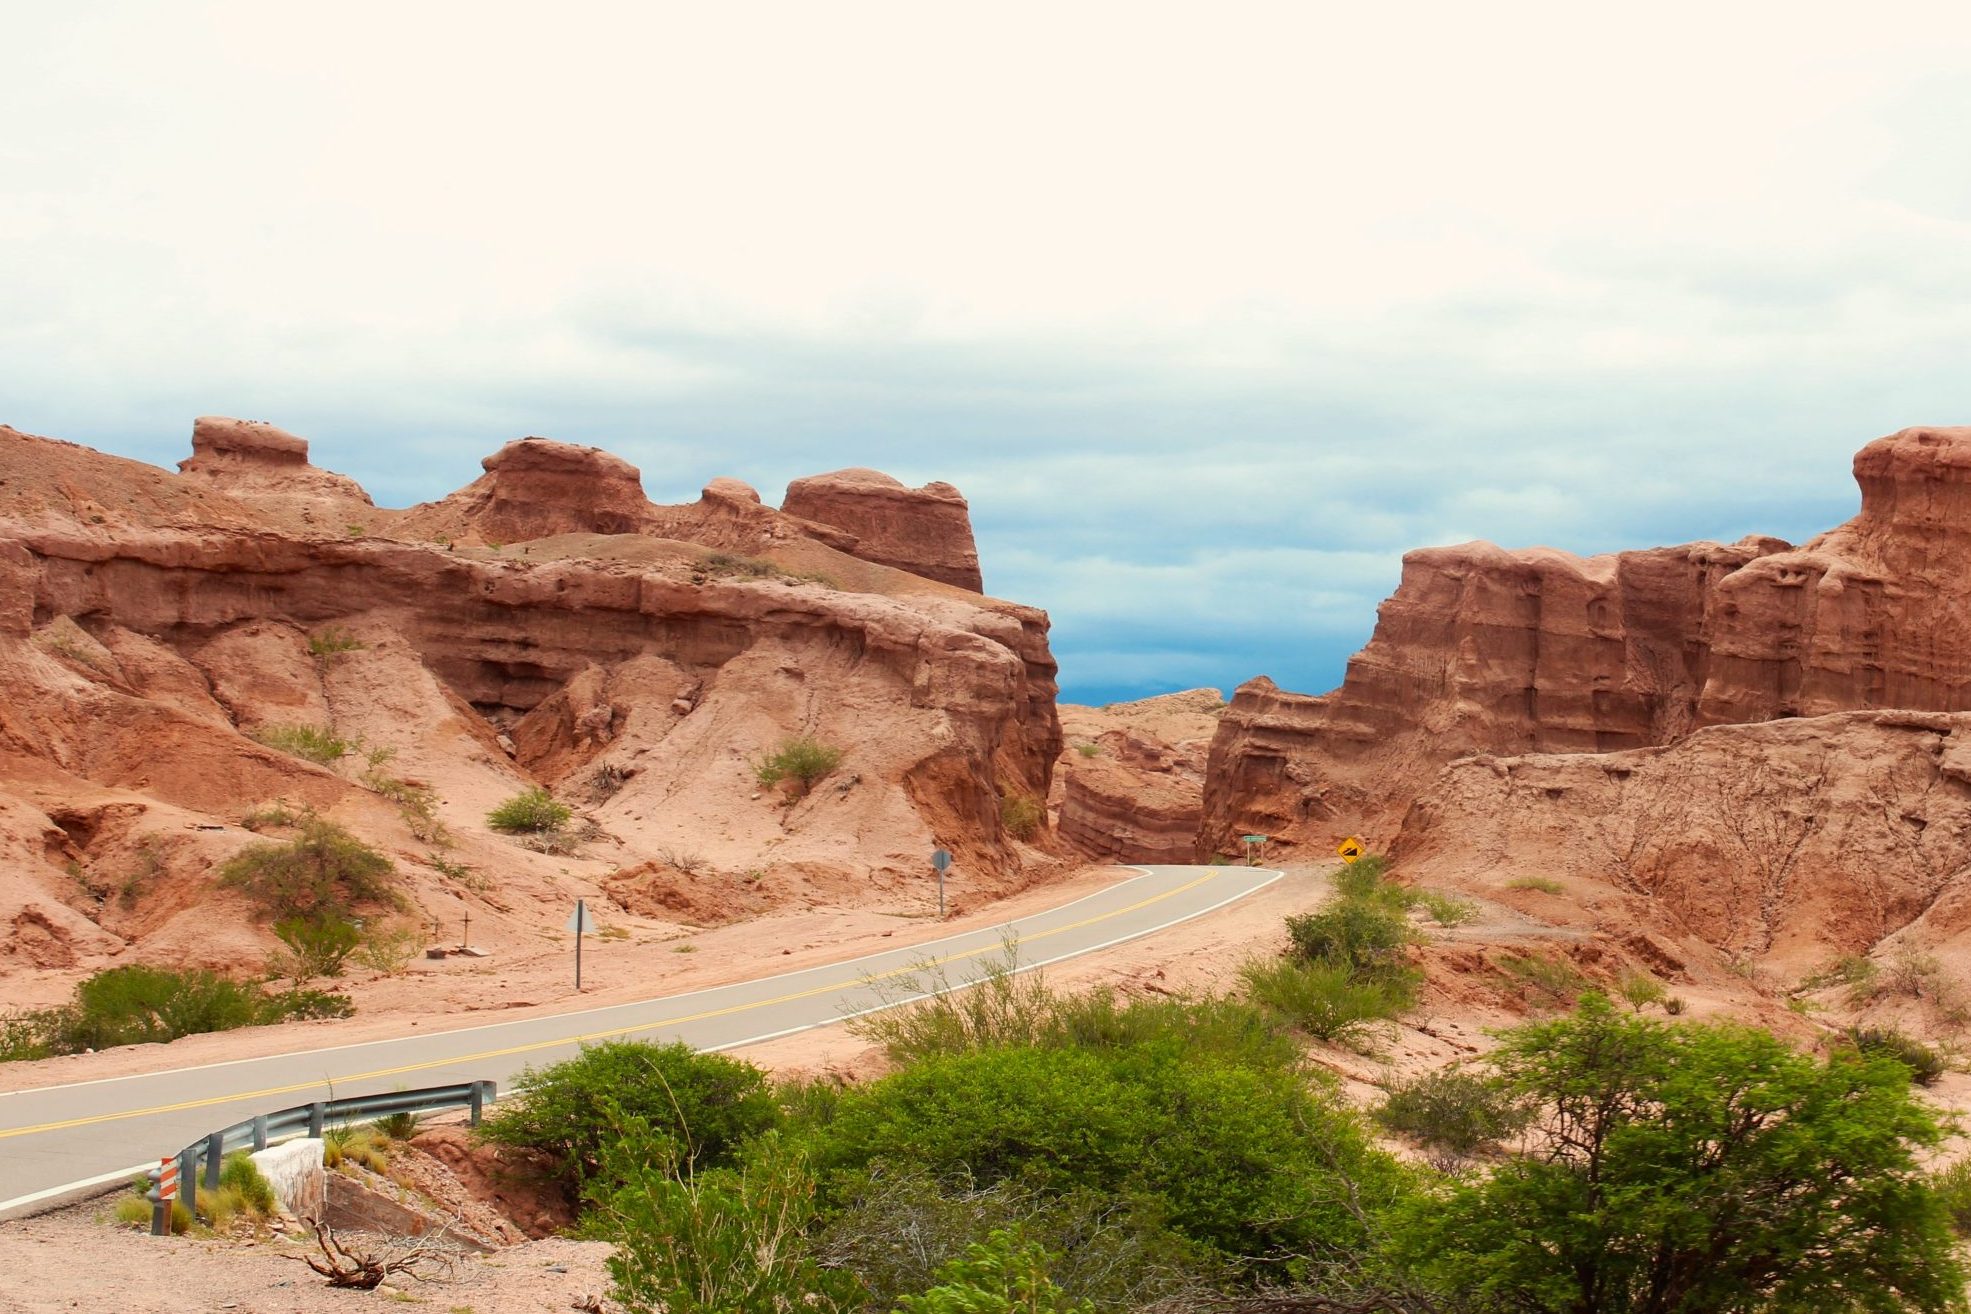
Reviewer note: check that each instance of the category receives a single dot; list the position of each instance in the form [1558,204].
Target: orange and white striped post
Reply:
[163,1194]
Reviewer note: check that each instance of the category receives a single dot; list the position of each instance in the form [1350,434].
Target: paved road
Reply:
[57,1138]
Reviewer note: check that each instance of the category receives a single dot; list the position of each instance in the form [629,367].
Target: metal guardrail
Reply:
[304,1119]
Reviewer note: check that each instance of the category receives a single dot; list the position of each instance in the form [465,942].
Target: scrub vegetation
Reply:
[1036,1150]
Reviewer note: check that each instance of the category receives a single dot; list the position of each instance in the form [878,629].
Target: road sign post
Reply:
[1255,848]
[941,859]
[581,924]
[1350,849]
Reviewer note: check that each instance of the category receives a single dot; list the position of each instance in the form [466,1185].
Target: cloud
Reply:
[1211,320]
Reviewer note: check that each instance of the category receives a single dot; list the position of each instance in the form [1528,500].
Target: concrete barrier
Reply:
[294,1169]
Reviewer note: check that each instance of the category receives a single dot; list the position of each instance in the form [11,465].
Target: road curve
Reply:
[57,1139]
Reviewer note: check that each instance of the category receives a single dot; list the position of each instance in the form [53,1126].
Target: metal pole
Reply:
[579,913]
[188,1178]
[940,894]
[215,1153]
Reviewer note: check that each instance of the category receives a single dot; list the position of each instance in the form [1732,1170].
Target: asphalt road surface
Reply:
[58,1139]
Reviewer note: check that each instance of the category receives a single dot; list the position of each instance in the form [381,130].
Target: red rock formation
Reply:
[252,459]
[1130,785]
[926,531]
[1786,842]
[1484,650]
[536,488]
[148,623]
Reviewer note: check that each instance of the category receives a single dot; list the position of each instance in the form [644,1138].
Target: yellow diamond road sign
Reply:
[1350,849]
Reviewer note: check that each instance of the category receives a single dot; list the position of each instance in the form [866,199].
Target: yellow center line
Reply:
[606,1034]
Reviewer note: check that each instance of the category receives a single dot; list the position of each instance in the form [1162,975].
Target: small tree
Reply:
[804,761]
[312,947]
[1682,1167]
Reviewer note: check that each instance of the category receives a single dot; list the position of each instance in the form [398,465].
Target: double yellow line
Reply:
[608,1034]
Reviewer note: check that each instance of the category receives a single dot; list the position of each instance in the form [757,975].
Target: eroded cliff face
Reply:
[151,625]
[1482,650]
[1129,786]
[1783,843]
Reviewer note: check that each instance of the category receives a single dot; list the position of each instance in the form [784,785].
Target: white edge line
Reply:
[125,1174]
[1145,873]
[121,1175]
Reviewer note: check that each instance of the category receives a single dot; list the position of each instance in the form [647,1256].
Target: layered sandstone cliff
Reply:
[1129,786]
[152,625]
[1483,650]
[926,531]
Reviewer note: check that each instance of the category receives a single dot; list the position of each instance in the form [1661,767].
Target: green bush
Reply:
[311,743]
[1541,884]
[1926,1065]
[1361,935]
[1245,1162]
[1447,909]
[731,1240]
[321,873]
[898,1229]
[1692,1167]
[1003,1274]
[702,1106]
[1953,1188]
[1639,990]
[239,1172]
[137,1005]
[1455,1111]
[804,761]
[1545,979]
[530,812]
[1329,1000]
[1022,815]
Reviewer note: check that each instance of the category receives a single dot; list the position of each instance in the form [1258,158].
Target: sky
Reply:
[1211,310]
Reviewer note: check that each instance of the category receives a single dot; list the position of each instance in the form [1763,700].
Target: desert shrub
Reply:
[1089,749]
[803,760]
[399,1127]
[323,871]
[239,1172]
[1639,990]
[133,1210]
[730,564]
[416,804]
[1022,815]
[1329,1000]
[362,1147]
[1367,880]
[703,1105]
[1926,1065]
[137,1004]
[312,947]
[731,1240]
[26,1034]
[270,816]
[1542,978]
[1542,884]
[299,1005]
[531,811]
[1953,1188]
[328,644]
[389,949]
[1447,909]
[1455,1111]
[1003,1274]
[899,1229]
[311,743]
[1358,934]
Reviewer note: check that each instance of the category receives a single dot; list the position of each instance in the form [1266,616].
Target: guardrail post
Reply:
[164,1190]
[260,1131]
[317,1115]
[482,1091]
[215,1154]
[188,1177]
